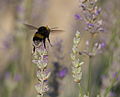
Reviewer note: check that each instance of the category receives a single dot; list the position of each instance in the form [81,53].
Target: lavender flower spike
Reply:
[40,58]
[76,64]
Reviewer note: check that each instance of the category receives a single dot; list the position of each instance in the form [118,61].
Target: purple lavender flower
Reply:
[78,17]
[98,11]
[62,73]
[90,25]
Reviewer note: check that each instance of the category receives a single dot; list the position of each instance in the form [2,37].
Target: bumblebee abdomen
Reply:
[37,39]
[39,35]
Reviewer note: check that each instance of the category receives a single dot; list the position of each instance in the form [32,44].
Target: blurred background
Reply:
[18,74]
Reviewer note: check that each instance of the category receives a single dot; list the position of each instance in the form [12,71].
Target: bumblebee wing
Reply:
[57,31]
[54,28]
[31,27]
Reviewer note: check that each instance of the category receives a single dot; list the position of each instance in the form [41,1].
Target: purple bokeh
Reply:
[17,77]
[103,45]
[115,75]
[62,73]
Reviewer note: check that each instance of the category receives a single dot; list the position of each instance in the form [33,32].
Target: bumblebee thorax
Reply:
[43,29]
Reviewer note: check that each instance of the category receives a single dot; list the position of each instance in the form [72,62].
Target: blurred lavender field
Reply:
[18,73]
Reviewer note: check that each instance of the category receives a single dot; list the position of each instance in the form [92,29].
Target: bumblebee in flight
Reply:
[41,34]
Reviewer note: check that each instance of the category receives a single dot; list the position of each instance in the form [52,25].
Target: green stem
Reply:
[89,77]
[81,91]
[90,66]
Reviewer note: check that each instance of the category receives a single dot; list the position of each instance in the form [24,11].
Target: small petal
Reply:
[72,56]
[41,88]
[77,34]
[74,50]
[76,40]
[100,22]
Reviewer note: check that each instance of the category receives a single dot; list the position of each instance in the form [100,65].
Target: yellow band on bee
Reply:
[47,27]
[39,35]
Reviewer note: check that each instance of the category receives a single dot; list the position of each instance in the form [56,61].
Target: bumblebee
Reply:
[41,34]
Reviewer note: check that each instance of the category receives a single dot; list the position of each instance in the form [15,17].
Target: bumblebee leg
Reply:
[49,41]
[33,48]
[44,43]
